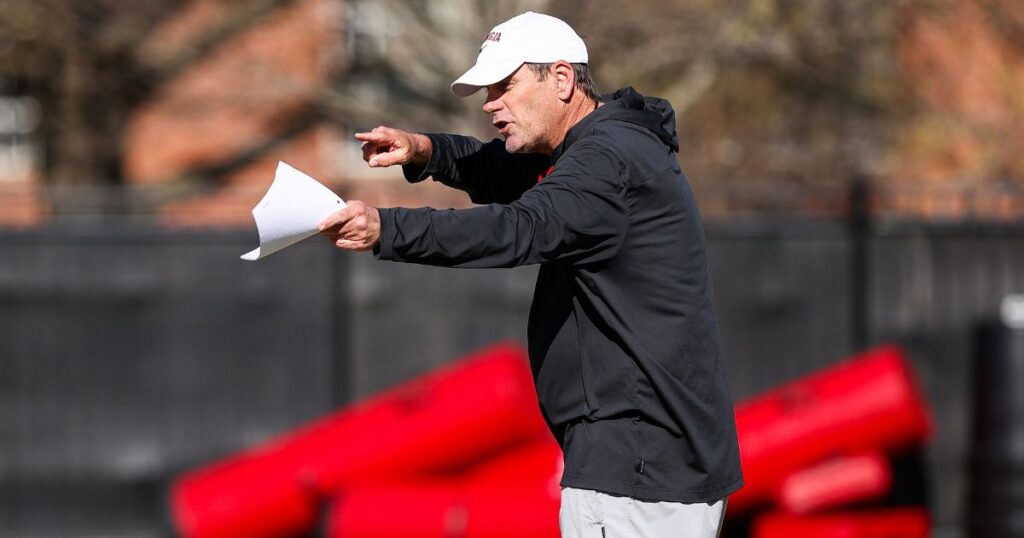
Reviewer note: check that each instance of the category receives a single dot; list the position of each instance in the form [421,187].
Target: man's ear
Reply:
[565,79]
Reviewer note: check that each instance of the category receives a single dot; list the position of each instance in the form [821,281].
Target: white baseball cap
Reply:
[527,38]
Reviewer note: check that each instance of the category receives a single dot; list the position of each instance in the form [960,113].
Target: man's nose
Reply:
[492,104]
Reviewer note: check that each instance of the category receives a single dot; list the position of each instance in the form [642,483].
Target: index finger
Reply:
[372,137]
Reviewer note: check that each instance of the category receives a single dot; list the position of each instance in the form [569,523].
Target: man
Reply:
[623,338]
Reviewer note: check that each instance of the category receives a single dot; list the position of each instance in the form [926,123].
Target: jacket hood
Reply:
[651,113]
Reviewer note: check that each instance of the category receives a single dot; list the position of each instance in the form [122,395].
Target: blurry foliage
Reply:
[963,69]
[88,64]
[769,92]
[764,89]
[403,55]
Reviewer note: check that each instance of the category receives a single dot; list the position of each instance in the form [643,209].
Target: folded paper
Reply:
[290,211]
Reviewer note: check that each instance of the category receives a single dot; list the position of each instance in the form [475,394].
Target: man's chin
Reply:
[514,145]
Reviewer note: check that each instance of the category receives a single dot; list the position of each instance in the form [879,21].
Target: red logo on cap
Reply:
[493,36]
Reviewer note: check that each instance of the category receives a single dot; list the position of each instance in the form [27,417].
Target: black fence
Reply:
[130,352]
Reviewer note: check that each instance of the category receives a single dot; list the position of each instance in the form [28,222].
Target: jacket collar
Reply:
[576,131]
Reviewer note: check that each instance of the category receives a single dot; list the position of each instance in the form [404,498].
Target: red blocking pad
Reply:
[889,523]
[514,494]
[868,403]
[835,482]
[538,461]
[441,421]
[444,511]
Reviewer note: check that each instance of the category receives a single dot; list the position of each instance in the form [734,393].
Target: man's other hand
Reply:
[385,146]
[355,227]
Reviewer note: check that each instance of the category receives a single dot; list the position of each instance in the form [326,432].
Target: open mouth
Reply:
[501,126]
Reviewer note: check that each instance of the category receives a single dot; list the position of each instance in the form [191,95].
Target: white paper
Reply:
[290,211]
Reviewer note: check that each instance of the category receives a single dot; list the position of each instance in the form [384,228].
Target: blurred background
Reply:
[859,165]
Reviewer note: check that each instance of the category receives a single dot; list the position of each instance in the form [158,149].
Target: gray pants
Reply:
[592,514]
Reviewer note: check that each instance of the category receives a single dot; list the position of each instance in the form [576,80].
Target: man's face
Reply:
[523,110]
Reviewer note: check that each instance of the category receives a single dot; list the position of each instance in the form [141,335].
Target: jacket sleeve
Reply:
[485,171]
[577,214]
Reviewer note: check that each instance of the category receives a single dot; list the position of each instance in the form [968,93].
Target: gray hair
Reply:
[584,79]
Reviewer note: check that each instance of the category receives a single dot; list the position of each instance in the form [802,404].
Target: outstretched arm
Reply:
[578,214]
[485,171]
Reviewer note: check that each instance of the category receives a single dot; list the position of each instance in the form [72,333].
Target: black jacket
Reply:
[623,337]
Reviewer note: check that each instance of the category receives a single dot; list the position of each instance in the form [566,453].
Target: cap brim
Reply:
[483,74]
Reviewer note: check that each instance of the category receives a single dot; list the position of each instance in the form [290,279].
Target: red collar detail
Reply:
[543,175]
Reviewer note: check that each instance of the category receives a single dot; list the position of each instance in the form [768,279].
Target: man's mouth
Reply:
[502,127]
